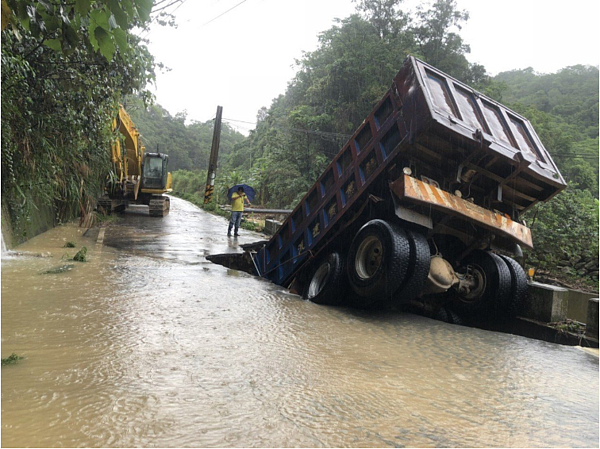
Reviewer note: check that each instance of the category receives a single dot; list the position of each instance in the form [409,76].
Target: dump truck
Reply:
[137,176]
[423,204]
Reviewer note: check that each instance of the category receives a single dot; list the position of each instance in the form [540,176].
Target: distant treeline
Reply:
[187,144]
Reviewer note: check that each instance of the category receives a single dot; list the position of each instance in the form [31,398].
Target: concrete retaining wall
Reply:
[271,226]
[550,304]
[591,328]
[578,305]
[41,219]
[546,303]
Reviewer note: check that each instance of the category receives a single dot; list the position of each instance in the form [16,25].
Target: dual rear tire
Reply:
[389,265]
[385,263]
[499,290]
[378,261]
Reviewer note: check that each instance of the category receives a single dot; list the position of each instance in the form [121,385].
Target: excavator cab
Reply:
[154,171]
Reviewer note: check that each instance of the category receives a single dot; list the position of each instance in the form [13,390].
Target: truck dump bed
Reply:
[455,142]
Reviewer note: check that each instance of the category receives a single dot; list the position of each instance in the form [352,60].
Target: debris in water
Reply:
[13,358]
[569,326]
[60,269]
[80,256]
[69,245]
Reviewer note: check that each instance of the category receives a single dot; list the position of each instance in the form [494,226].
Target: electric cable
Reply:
[222,14]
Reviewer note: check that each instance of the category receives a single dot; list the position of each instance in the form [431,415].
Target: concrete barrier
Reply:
[546,303]
[591,328]
[550,304]
[578,305]
[271,226]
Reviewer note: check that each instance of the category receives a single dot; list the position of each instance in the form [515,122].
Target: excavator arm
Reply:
[127,152]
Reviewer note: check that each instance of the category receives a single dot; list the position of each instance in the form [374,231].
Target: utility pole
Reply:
[214,156]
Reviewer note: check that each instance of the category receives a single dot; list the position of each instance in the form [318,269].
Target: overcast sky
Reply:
[245,58]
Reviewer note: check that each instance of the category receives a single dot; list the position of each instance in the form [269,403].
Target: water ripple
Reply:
[150,346]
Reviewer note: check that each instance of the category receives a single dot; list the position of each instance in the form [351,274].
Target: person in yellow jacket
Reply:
[237,208]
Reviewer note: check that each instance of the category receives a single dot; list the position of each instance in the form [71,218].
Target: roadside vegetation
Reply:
[65,68]
[189,185]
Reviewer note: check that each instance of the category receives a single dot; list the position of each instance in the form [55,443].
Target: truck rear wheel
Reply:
[418,269]
[325,282]
[518,287]
[447,315]
[378,260]
[491,285]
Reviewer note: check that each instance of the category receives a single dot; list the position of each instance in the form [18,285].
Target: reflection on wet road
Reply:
[149,344]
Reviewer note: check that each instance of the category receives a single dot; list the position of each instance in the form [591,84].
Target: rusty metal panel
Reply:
[413,190]
[462,110]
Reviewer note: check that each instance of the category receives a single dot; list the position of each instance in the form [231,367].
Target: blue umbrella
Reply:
[249,191]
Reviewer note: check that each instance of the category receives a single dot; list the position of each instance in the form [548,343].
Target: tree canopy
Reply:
[63,26]
[563,108]
[65,67]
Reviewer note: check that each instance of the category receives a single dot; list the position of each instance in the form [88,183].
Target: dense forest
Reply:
[62,81]
[563,107]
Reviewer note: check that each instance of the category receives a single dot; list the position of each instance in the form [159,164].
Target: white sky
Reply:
[244,59]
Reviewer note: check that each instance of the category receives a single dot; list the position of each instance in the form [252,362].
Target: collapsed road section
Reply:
[422,205]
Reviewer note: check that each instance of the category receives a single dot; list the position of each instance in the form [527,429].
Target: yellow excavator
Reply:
[137,176]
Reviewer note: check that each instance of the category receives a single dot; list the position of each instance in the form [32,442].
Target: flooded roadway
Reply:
[148,344]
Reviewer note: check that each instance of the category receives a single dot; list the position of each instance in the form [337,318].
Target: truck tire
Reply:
[325,284]
[447,315]
[418,269]
[518,288]
[378,260]
[493,289]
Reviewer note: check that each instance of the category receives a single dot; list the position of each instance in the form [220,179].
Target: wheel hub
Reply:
[473,285]
[368,257]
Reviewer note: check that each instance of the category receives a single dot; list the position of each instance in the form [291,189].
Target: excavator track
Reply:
[110,205]
[105,203]
[159,206]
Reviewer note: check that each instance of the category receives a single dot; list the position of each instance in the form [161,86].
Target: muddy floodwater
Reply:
[149,344]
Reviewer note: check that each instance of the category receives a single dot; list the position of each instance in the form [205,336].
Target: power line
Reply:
[347,136]
[300,130]
[221,15]
[168,5]
[179,6]
[240,121]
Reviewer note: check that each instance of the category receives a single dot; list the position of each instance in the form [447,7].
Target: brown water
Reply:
[148,344]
